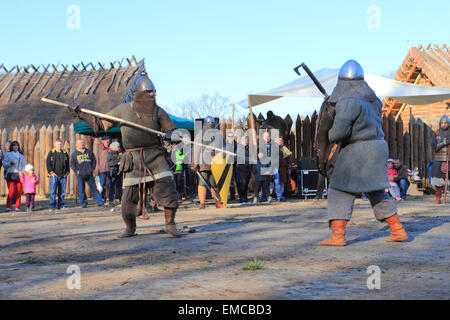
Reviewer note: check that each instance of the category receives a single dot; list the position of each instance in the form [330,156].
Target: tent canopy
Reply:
[401,91]
[83,128]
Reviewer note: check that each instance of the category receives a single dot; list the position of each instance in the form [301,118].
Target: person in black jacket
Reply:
[57,169]
[243,169]
[114,174]
[83,162]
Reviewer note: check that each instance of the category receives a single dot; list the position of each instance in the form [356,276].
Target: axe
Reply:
[313,78]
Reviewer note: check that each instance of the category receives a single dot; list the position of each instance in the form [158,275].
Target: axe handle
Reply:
[314,79]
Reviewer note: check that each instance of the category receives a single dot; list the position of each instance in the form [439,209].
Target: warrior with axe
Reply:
[362,162]
[325,152]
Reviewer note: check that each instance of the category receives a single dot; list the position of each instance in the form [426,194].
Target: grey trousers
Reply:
[340,204]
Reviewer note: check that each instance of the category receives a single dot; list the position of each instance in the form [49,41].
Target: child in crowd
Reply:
[394,190]
[29,182]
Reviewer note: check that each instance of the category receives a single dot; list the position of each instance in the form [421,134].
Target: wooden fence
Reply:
[411,145]
[35,145]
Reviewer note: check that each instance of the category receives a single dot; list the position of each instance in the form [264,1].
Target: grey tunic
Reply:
[155,118]
[362,165]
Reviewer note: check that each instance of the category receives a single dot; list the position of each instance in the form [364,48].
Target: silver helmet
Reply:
[351,70]
[144,84]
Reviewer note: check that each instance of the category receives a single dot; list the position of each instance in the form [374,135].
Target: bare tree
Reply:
[215,105]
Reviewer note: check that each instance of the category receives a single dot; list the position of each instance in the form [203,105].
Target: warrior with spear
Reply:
[143,125]
[144,165]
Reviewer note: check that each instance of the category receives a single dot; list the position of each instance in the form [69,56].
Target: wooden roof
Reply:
[428,66]
[97,85]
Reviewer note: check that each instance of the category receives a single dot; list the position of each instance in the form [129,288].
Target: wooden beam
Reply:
[67,80]
[7,73]
[10,80]
[26,83]
[88,88]
[46,82]
[37,82]
[56,82]
[11,92]
[120,77]
[76,78]
[100,80]
[132,74]
[134,59]
[112,80]
[84,80]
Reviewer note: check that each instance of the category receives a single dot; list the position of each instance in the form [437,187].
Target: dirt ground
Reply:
[36,252]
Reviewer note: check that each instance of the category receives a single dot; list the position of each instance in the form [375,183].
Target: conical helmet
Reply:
[351,70]
[144,84]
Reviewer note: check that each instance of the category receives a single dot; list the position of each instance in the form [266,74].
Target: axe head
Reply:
[296,69]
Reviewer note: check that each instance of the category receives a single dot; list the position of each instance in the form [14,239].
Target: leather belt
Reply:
[143,148]
[362,140]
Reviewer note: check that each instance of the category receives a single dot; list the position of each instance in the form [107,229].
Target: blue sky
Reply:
[231,47]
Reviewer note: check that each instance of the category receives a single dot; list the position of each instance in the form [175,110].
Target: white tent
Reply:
[401,91]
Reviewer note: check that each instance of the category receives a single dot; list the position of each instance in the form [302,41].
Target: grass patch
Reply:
[164,267]
[253,265]
[30,260]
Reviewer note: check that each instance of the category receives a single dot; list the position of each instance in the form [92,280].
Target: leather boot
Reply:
[338,237]
[397,231]
[438,195]
[130,230]
[170,222]
[218,203]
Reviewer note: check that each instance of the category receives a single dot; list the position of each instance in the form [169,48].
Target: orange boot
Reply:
[397,232]
[338,237]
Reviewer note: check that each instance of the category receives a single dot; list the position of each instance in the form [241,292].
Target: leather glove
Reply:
[74,109]
[172,136]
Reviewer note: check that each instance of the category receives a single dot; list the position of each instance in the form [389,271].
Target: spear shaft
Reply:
[132,124]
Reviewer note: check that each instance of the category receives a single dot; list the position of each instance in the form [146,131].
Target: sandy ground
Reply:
[36,251]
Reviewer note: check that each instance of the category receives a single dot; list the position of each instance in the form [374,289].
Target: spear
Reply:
[132,124]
